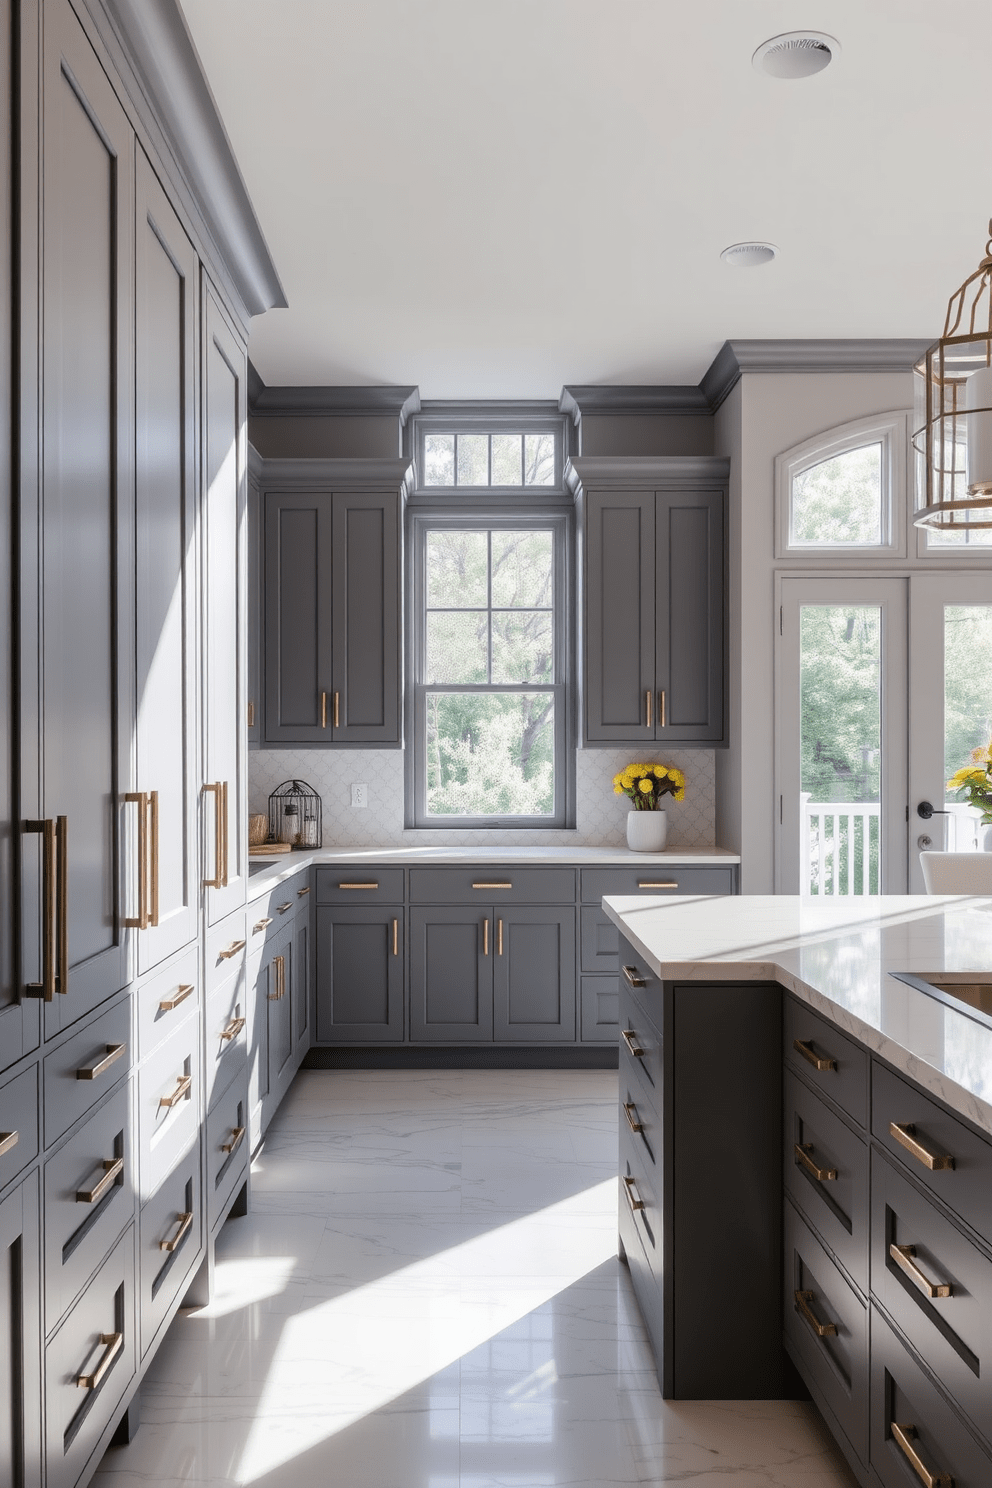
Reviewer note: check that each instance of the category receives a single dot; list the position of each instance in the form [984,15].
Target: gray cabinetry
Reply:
[331,583]
[653,601]
[534,975]
[20,1337]
[360,958]
[451,973]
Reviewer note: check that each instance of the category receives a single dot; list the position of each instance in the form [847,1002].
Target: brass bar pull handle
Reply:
[302,893]
[323,710]
[279,963]
[396,937]
[649,703]
[630,972]
[358,885]
[113,1167]
[185,1225]
[94,1071]
[140,920]
[251,714]
[804,1306]
[805,1048]
[903,1255]
[62,890]
[49,929]
[630,1111]
[805,1160]
[501,884]
[485,937]
[179,996]
[114,1344]
[499,937]
[630,1039]
[237,1135]
[337,710]
[260,925]
[153,844]
[282,908]
[233,1028]
[904,1437]
[215,882]
[225,835]
[183,1091]
[632,1196]
[650,884]
[906,1136]
[232,950]
[662,709]
[8,1141]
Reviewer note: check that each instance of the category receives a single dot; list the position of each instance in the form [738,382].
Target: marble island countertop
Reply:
[838,956]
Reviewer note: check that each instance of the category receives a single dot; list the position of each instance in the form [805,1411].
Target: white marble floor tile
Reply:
[426,1295]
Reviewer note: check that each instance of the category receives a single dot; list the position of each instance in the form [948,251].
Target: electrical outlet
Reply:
[360,795]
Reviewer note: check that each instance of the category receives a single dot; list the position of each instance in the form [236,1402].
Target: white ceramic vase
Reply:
[985,838]
[647,830]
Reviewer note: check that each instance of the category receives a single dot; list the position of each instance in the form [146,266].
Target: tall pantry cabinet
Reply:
[122,710]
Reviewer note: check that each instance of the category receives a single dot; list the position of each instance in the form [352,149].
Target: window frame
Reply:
[890,430]
[490,517]
[489,418]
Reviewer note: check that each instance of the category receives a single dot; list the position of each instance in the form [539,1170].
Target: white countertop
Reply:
[280,868]
[837,956]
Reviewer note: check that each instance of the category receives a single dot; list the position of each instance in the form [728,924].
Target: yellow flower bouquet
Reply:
[647,784]
[974,782]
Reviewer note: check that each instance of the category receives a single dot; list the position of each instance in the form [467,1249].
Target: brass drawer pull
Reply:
[183,1091]
[282,908]
[233,1028]
[323,710]
[500,885]
[94,1071]
[251,714]
[114,1343]
[217,791]
[804,1160]
[113,1167]
[644,883]
[630,972]
[499,937]
[301,893]
[662,709]
[185,1225]
[237,1134]
[804,1306]
[358,885]
[337,710]
[904,1437]
[485,937]
[906,1136]
[630,1189]
[396,937]
[261,924]
[141,920]
[8,1141]
[181,994]
[279,964]
[903,1256]
[630,1111]
[805,1048]
[231,950]
[648,706]
[630,1039]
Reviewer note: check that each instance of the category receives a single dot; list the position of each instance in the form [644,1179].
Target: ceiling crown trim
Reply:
[842,355]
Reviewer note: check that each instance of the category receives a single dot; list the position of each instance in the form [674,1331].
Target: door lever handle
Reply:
[926,811]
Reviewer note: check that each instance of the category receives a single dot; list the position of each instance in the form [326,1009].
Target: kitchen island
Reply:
[805,1161]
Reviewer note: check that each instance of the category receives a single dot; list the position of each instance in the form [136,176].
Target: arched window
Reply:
[844,491]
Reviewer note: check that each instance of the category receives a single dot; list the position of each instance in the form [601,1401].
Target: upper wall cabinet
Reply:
[653,611]
[331,584]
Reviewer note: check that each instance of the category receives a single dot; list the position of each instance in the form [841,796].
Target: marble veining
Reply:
[838,956]
[426,1295]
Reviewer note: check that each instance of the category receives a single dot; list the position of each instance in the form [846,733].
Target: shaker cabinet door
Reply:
[619,683]
[451,974]
[20,1337]
[534,975]
[359,974]
[689,609]
[366,628]
[298,589]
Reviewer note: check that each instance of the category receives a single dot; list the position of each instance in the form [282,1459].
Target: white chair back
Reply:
[957,872]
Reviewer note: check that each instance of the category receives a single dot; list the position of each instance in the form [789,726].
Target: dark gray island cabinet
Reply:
[852,1207]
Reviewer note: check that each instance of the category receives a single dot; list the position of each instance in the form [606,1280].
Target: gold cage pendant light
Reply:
[953,426]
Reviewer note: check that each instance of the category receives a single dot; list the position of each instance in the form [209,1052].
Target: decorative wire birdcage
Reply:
[953,425]
[295,815]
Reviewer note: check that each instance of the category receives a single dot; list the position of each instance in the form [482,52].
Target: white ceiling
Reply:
[491,198]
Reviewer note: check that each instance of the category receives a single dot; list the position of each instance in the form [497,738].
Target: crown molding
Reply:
[327,473]
[848,355]
[330,402]
[645,470]
[576,401]
[489,408]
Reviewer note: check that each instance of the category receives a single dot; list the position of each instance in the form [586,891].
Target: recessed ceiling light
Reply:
[749,255]
[796,54]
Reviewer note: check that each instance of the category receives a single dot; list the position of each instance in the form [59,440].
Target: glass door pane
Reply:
[967,714]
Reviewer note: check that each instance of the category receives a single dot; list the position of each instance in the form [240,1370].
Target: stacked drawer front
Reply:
[228,1030]
[641,1196]
[18,1124]
[826,1176]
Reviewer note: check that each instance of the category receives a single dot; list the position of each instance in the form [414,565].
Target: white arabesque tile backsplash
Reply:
[600,815]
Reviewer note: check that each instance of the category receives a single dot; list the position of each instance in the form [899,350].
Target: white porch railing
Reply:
[840,847]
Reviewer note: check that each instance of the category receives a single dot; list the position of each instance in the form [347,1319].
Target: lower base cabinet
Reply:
[21,1330]
[360,973]
[170,1238]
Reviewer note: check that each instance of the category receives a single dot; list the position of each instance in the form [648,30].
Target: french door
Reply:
[883,688]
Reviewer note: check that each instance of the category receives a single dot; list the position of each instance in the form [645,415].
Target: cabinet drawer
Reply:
[94,1344]
[89,1198]
[168,1105]
[226,1034]
[640,1045]
[492,884]
[82,1071]
[901,1395]
[599,1010]
[952,1333]
[641,1192]
[18,1124]
[359,885]
[844,1075]
[166,999]
[227,1151]
[170,1235]
[654,879]
[647,1287]
[599,940]
[835,1362]
[639,987]
[836,1206]
[641,1125]
[225,949]
[965,1187]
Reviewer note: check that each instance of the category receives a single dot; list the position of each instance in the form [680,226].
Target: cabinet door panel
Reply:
[165,482]
[366,628]
[620,616]
[20,1337]
[451,974]
[298,589]
[534,971]
[279,1015]
[224,557]
[359,974]
[690,615]
[87,454]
